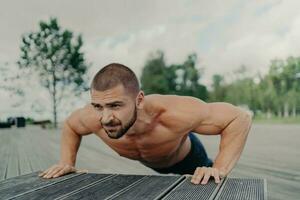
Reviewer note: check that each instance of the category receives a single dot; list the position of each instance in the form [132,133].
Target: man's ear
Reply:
[140,100]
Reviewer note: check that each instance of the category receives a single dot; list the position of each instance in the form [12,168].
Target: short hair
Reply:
[113,75]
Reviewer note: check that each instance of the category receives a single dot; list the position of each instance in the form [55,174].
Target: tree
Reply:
[9,79]
[55,54]
[189,81]
[289,74]
[218,92]
[180,79]
[156,76]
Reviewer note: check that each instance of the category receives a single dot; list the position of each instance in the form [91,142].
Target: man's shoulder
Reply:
[170,100]
[158,102]
[176,109]
[86,117]
[161,98]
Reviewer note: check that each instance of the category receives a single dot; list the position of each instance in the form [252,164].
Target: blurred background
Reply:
[242,52]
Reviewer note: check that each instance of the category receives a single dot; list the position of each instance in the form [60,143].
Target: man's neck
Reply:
[140,125]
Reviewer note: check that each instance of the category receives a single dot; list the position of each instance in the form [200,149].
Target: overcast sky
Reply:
[224,34]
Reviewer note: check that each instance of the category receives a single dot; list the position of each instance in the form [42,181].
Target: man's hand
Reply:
[202,174]
[59,170]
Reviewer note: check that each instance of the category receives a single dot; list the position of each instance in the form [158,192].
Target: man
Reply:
[157,130]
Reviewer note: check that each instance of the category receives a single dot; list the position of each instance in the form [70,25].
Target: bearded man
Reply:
[157,130]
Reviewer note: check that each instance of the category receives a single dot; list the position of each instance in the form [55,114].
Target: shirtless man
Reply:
[157,130]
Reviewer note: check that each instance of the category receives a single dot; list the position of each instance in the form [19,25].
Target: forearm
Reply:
[70,142]
[233,139]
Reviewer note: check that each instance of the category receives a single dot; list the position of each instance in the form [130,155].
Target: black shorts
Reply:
[197,157]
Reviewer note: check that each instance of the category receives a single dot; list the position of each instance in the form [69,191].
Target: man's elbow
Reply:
[249,116]
[246,118]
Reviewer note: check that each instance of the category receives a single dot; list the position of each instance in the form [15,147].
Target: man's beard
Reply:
[123,129]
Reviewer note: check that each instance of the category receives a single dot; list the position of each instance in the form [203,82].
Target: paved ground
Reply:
[272,152]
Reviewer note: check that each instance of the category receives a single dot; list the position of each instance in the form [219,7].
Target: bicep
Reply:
[186,113]
[213,118]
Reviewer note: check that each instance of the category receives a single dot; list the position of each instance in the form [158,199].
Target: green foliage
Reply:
[219,91]
[180,79]
[55,54]
[276,94]
[9,80]
[154,75]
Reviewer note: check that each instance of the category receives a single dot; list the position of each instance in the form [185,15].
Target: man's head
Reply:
[116,96]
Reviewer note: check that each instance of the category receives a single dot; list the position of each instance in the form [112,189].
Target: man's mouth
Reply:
[111,127]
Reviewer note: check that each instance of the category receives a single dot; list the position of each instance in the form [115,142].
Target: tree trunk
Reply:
[279,114]
[269,114]
[294,111]
[286,110]
[54,100]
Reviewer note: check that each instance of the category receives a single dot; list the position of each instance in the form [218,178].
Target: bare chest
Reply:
[157,145]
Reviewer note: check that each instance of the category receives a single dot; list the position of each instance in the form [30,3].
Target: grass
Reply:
[276,120]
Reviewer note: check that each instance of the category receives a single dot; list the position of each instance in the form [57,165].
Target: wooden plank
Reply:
[12,181]
[24,164]
[106,188]
[151,187]
[13,162]
[27,183]
[33,149]
[190,191]
[64,187]
[4,154]
[280,169]
[45,153]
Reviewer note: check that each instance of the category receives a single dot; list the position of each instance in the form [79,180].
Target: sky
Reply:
[223,34]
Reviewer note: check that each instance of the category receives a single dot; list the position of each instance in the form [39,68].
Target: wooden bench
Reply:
[140,187]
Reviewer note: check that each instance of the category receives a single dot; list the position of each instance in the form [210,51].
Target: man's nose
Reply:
[107,116]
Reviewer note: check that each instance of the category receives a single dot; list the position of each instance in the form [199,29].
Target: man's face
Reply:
[117,110]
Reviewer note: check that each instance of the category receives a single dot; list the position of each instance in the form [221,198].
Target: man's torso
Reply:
[158,146]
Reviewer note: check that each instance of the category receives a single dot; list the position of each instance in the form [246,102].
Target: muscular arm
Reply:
[81,122]
[70,142]
[233,124]
[191,114]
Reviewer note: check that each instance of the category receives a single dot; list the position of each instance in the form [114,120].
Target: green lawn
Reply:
[277,120]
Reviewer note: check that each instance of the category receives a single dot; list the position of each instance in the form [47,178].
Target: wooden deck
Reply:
[271,153]
[129,187]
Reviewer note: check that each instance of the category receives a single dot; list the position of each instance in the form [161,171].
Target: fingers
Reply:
[65,170]
[198,175]
[216,175]
[45,172]
[52,172]
[57,170]
[59,173]
[202,174]
[207,175]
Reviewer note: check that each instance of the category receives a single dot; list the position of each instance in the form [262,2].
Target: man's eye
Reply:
[115,106]
[98,108]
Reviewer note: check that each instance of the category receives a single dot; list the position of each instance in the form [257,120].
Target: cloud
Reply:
[254,40]
[224,34]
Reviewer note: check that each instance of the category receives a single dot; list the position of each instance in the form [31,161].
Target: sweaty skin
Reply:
[158,137]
